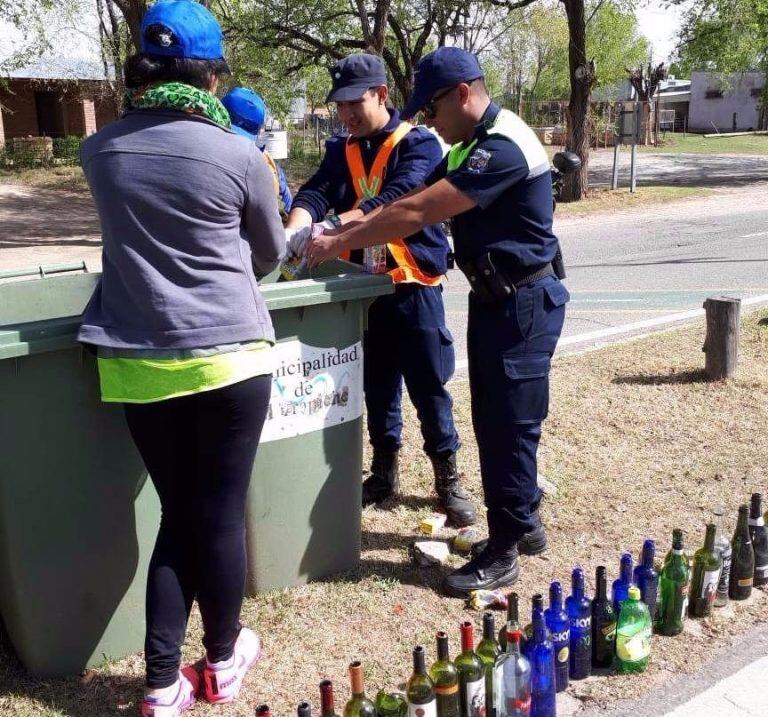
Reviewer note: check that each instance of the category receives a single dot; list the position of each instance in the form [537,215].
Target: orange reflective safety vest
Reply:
[369,185]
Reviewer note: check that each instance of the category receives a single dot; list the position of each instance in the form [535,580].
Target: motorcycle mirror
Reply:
[566,162]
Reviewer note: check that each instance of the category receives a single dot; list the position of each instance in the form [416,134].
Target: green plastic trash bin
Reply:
[78,517]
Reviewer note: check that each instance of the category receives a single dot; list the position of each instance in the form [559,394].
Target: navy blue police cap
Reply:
[445,67]
[353,75]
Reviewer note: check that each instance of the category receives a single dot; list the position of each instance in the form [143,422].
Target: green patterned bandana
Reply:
[178,96]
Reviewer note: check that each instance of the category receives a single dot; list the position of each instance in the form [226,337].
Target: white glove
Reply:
[297,240]
[322,227]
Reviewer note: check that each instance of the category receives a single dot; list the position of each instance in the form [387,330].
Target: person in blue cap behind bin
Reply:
[248,112]
[183,337]
[382,158]
[495,184]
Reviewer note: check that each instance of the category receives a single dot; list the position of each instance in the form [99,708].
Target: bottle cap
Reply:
[634,593]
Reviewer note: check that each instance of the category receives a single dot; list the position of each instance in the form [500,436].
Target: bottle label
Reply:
[562,654]
[582,622]
[498,684]
[375,259]
[609,631]
[427,710]
[761,571]
[448,702]
[757,522]
[291,268]
[518,707]
[725,573]
[634,647]
[448,690]
[709,585]
[745,582]
[474,698]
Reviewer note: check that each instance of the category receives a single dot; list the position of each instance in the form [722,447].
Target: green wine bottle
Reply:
[674,585]
[391,704]
[446,680]
[359,705]
[488,651]
[471,675]
[707,565]
[743,559]
[327,700]
[420,690]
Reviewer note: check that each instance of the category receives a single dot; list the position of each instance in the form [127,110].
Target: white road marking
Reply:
[634,326]
[749,236]
[605,301]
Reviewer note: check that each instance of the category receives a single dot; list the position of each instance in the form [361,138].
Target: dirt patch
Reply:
[637,443]
[41,226]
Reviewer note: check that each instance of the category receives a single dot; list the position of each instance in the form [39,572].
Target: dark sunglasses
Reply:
[429,110]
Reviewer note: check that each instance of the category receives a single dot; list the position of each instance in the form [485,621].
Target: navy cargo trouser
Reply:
[407,339]
[510,346]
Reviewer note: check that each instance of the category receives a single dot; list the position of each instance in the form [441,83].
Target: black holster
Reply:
[488,281]
[558,264]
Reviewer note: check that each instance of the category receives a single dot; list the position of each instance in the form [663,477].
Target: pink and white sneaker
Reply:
[188,685]
[223,681]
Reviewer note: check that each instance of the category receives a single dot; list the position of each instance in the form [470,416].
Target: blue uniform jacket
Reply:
[513,216]
[417,154]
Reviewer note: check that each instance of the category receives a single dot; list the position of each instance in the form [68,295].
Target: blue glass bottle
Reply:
[579,608]
[559,626]
[541,654]
[623,583]
[646,577]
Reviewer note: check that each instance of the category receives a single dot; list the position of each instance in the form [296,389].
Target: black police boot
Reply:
[495,567]
[384,480]
[532,543]
[453,498]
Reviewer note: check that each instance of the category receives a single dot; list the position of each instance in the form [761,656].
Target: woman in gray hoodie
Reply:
[189,220]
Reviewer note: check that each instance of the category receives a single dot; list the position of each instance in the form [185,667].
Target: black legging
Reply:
[199,451]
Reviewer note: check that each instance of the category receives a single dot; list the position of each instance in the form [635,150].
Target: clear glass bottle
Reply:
[513,682]
[722,546]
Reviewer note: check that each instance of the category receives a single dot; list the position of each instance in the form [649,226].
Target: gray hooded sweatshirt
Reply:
[189,218]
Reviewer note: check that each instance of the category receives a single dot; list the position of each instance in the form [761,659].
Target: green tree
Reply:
[724,36]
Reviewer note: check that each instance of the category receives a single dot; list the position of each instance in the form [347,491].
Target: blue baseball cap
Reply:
[445,67]
[246,110]
[181,28]
[353,75]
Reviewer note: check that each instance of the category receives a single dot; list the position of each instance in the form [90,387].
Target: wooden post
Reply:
[721,345]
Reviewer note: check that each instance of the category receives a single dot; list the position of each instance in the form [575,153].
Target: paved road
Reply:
[626,267]
[647,264]
[694,170]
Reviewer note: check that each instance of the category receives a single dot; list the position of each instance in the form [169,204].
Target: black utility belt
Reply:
[493,282]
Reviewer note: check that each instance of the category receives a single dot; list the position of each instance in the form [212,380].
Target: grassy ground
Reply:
[696,143]
[67,178]
[637,443]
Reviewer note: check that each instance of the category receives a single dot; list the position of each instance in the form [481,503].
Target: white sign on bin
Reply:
[313,388]
[276,143]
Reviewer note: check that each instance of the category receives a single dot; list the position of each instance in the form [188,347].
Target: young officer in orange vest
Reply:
[381,159]
[496,186]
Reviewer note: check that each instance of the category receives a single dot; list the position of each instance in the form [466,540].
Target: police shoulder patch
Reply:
[478,161]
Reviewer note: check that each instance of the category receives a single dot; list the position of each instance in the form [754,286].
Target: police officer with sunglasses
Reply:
[495,185]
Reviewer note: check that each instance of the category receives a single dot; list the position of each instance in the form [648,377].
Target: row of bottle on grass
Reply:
[518,672]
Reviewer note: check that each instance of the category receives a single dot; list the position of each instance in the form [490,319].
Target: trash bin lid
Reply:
[44,314]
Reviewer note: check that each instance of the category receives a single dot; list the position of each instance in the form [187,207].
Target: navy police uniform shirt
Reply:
[514,212]
[415,156]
